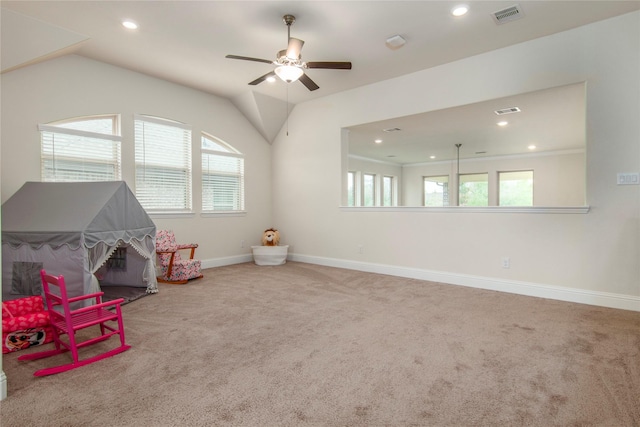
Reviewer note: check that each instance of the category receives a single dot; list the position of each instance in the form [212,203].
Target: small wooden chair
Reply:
[175,269]
[68,321]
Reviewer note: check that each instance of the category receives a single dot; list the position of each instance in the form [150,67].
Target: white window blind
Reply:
[82,149]
[222,176]
[163,164]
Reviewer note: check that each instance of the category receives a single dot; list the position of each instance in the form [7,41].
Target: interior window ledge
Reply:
[164,215]
[211,214]
[472,209]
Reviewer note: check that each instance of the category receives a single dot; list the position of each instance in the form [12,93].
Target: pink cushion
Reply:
[183,269]
[25,323]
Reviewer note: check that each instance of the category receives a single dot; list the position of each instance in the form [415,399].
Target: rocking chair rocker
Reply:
[69,321]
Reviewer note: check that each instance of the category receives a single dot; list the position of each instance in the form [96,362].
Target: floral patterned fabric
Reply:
[183,269]
[25,323]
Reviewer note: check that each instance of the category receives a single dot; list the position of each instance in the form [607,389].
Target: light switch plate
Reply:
[631,178]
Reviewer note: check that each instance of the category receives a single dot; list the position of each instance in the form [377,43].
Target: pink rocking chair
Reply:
[68,321]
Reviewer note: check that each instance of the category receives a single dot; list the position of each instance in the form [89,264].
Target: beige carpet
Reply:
[305,345]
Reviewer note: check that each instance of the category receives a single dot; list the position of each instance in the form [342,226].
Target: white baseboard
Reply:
[219,262]
[581,296]
[3,385]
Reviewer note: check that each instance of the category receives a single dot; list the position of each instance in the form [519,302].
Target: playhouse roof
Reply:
[74,213]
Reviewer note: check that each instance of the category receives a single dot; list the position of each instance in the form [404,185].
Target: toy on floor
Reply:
[25,323]
[271,237]
[270,252]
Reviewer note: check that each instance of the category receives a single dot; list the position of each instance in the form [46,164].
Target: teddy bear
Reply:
[270,237]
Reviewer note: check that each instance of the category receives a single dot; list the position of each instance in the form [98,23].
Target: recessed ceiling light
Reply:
[378,141]
[271,79]
[129,24]
[502,123]
[460,10]
[432,157]
[532,147]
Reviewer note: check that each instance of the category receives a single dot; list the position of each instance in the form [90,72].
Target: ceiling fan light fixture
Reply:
[289,73]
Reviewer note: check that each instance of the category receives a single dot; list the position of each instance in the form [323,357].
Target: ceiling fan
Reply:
[289,64]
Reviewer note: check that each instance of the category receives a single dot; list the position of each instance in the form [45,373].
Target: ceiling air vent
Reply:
[507,15]
[391,129]
[507,111]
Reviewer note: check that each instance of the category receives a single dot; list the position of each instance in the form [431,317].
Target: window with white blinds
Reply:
[222,176]
[163,164]
[81,149]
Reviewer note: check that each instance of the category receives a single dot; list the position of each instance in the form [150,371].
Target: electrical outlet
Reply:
[632,178]
[242,243]
[360,249]
[506,262]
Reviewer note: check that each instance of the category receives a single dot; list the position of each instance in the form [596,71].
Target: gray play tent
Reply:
[96,234]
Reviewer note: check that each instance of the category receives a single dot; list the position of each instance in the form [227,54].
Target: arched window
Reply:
[222,176]
[81,149]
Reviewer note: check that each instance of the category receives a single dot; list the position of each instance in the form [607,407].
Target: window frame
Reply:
[373,189]
[183,168]
[392,187]
[88,155]
[446,195]
[499,181]
[226,151]
[460,182]
[352,188]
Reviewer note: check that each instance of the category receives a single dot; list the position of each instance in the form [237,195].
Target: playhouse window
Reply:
[25,278]
[118,260]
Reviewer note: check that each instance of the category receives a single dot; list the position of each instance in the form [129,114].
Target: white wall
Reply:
[595,256]
[74,86]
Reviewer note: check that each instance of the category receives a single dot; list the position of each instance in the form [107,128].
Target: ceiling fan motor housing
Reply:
[289,19]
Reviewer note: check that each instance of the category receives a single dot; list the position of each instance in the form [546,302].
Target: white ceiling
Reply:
[186,41]
[552,120]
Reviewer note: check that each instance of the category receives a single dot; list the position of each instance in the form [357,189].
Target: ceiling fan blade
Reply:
[247,58]
[262,78]
[330,65]
[295,48]
[310,84]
